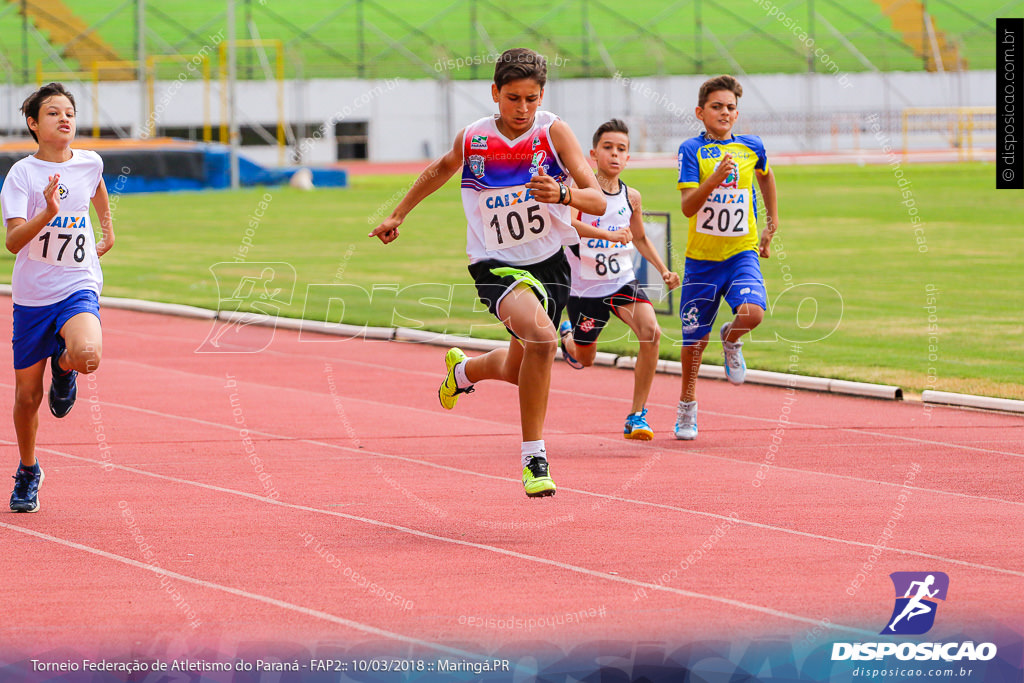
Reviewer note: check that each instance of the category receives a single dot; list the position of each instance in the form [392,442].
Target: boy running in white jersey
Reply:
[516,169]
[57,279]
[603,281]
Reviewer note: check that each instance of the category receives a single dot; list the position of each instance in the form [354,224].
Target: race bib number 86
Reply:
[604,260]
[63,242]
[512,217]
[725,213]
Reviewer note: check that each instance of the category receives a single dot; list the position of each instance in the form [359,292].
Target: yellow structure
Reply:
[919,31]
[278,47]
[64,27]
[151,64]
[956,125]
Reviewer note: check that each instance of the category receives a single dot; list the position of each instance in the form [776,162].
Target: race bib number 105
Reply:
[725,213]
[512,217]
[63,242]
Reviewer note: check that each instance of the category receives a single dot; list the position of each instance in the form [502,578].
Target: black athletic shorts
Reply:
[549,279]
[589,315]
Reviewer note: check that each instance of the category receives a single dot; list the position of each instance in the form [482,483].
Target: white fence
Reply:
[413,119]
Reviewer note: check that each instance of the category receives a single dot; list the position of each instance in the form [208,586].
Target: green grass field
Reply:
[851,289]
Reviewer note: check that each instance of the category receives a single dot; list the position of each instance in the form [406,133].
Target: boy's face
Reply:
[517,104]
[719,113]
[611,153]
[56,122]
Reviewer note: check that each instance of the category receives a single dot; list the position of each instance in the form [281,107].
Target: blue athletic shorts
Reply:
[37,328]
[705,283]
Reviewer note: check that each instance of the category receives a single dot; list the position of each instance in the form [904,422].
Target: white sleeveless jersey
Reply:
[61,259]
[600,267]
[504,221]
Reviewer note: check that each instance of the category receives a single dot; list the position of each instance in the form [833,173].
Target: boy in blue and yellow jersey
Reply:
[716,180]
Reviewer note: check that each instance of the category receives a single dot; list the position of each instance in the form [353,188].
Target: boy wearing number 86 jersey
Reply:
[716,182]
[603,281]
[516,168]
[57,279]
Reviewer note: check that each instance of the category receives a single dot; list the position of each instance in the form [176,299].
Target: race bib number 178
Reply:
[512,217]
[63,242]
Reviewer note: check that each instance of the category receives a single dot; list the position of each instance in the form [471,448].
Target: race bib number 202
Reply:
[512,217]
[725,213]
[63,242]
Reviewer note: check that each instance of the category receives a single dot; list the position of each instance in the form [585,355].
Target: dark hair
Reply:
[723,82]
[520,62]
[611,126]
[30,107]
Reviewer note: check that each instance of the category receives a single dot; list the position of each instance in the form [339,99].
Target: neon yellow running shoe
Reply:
[536,480]
[449,391]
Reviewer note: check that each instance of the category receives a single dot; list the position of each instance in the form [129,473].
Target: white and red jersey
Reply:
[61,259]
[505,222]
[602,267]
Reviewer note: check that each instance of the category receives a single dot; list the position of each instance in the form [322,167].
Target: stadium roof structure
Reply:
[459,39]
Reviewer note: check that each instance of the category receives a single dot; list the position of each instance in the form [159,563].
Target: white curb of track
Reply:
[969,401]
[782,379]
[402,334]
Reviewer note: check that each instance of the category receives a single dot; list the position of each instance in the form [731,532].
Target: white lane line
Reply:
[462,471]
[413,532]
[423,373]
[638,445]
[306,611]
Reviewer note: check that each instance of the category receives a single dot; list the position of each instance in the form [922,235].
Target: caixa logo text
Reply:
[947,652]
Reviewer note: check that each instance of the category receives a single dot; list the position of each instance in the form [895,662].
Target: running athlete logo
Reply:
[916,595]
[258,291]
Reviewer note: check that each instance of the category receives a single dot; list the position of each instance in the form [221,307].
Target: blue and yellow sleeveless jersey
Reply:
[697,160]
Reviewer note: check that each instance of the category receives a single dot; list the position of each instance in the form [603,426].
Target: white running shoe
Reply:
[686,421]
[735,367]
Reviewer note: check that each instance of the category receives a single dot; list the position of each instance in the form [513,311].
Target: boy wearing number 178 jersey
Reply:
[516,170]
[57,279]
[716,183]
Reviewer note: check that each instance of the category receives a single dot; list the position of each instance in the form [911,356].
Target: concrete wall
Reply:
[417,119]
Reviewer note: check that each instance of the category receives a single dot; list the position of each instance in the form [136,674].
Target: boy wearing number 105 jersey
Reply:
[603,281]
[716,182]
[57,279]
[516,173]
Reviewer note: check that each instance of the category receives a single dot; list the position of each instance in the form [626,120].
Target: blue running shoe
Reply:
[63,389]
[637,427]
[25,497]
[564,330]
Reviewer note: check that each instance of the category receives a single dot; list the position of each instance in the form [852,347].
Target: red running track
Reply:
[231,497]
